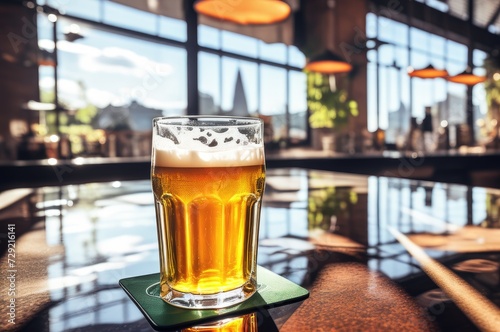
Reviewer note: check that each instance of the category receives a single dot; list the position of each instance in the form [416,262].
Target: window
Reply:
[241,75]
[130,18]
[111,86]
[89,9]
[273,101]
[394,97]
[297,99]
[131,61]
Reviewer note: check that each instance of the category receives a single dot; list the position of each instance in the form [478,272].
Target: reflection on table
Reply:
[329,232]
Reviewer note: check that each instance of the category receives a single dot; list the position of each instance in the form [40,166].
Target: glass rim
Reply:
[208,121]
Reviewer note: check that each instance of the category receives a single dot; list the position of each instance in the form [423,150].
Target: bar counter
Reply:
[468,167]
[376,253]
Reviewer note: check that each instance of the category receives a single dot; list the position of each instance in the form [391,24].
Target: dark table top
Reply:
[376,254]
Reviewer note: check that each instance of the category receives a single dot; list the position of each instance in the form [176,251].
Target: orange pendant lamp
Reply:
[245,12]
[428,72]
[328,63]
[467,78]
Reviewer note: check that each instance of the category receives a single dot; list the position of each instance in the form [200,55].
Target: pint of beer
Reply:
[208,177]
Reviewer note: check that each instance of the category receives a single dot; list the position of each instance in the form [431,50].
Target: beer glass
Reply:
[208,177]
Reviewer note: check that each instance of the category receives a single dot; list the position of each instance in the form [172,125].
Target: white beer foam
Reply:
[191,152]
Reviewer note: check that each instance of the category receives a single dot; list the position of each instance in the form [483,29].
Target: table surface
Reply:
[467,167]
[376,254]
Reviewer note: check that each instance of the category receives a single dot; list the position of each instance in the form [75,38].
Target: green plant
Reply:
[76,125]
[327,203]
[492,83]
[492,219]
[489,125]
[329,108]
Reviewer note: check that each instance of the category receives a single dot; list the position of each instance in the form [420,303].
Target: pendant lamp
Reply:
[428,72]
[467,78]
[244,12]
[328,63]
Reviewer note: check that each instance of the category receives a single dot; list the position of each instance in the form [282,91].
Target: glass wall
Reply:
[118,67]
[249,77]
[394,98]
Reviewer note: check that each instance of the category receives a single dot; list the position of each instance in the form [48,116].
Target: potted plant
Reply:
[330,109]
[490,128]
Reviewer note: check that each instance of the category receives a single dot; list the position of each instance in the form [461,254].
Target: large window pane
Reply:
[296,57]
[209,83]
[235,91]
[372,97]
[438,4]
[105,70]
[297,106]
[419,39]
[437,46]
[371,55]
[386,54]
[249,73]
[392,31]
[173,28]
[456,103]
[209,37]
[404,107]
[272,90]
[422,96]
[116,84]
[82,8]
[454,67]
[401,57]
[239,81]
[393,97]
[273,52]
[371,25]
[419,60]
[273,100]
[129,18]
[239,44]
[229,76]
[456,51]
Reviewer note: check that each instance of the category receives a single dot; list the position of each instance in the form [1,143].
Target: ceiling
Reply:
[486,15]
[280,32]
[485,12]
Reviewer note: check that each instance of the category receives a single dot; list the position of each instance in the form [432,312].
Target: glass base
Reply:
[211,301]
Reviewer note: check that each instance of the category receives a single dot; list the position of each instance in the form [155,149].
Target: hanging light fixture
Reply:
[328,63]
[467,78]
[428,72]
[245,12]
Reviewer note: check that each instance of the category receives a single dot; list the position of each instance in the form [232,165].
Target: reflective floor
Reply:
[74,243]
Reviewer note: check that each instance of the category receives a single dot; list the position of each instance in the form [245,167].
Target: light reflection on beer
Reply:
[245,323]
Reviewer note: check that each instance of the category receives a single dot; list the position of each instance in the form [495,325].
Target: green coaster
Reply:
[273,291]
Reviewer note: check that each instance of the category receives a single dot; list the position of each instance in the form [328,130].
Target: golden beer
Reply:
[208,212]
[245,323]
[209,230]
